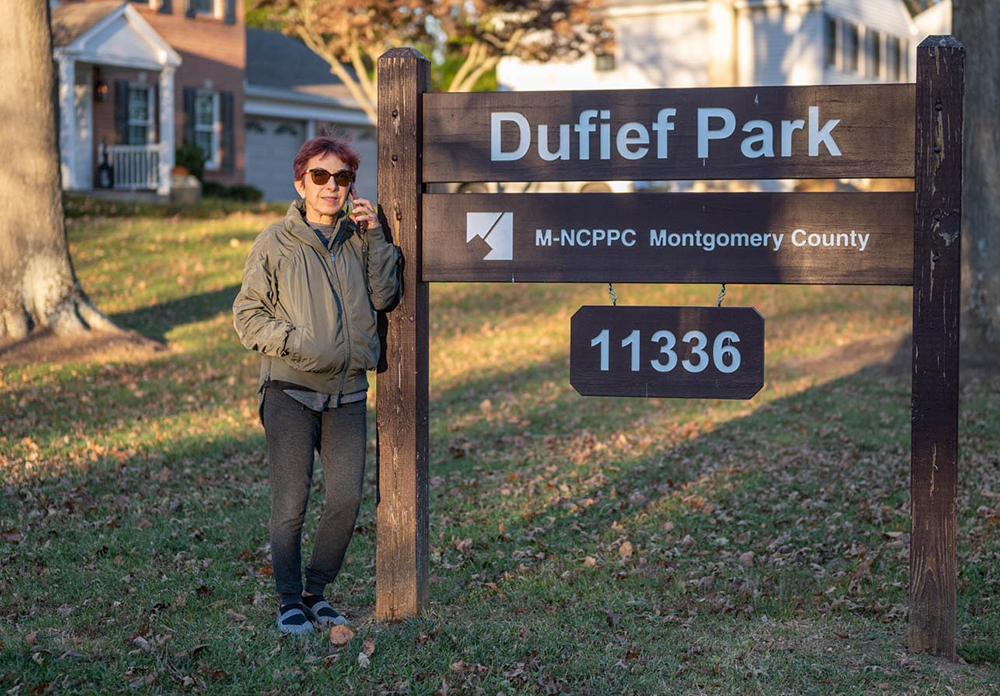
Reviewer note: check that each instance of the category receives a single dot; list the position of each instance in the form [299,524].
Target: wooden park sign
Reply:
[672,238]
[842,131]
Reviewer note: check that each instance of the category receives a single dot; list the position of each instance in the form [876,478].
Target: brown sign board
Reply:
[685,352]
[828,131]
[751,132]
[818,238]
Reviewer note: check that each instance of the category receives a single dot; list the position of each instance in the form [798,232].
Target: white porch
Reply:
[122,39]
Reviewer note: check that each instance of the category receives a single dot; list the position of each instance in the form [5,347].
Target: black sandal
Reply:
[292,619]
[320,611]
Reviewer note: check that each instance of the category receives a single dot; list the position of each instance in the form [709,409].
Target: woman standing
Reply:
[311,287]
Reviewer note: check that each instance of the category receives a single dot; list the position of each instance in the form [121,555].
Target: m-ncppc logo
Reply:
[496,229]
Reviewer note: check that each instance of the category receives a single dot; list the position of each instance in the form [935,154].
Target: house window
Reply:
[604,62]
[204,7]
[207,127]
[874,62]
[830,41]
[892,59]
[850,47]
[140,112]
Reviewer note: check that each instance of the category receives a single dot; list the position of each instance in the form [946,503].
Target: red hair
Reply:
[325,145]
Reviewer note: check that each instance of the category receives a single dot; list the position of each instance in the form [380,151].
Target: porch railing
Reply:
[135,166]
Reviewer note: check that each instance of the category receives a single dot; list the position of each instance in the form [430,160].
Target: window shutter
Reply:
[121,111]
[228,139]
[189,95]
[166,7]
[230,17]
[189,9]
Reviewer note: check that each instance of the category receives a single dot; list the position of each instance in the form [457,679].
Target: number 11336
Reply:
[684,352]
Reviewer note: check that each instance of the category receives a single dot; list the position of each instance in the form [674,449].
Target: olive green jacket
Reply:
[310,310]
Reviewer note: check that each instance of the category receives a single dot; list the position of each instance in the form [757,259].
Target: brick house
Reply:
[138,78]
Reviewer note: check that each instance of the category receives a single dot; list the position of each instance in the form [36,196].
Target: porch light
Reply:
[100,88]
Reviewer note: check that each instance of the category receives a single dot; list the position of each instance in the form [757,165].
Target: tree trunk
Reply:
[38,287]
[977,25]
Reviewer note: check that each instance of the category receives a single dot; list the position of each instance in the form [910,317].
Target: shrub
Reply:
[192,158]
[213,189]
[76,206]
[244,193]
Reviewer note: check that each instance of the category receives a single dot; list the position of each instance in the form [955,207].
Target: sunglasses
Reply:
[320,176]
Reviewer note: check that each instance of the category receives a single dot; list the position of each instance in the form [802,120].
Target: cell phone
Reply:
[362,226]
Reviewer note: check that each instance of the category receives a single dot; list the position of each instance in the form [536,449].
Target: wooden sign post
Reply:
[937,271]
[831,131]
[401,405]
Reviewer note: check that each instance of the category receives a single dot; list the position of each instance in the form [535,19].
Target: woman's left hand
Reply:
[364,213]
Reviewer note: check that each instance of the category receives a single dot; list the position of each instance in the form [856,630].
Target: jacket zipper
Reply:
[347,322]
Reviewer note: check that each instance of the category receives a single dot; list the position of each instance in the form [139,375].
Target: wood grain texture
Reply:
[886,217]
[619,379]
[401,417]
[875,134]
[936,298]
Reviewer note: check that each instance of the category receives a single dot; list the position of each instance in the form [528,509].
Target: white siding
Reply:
[888,17]
[934,21]
[663,49]
[781,46]
[778,42]
[885,15]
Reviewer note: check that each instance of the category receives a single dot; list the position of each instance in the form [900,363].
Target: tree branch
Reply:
[474,76]
[337,68]
[515,39]
[361,70]
[471,60]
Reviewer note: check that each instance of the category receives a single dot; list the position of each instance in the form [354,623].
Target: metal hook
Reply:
[722,294]
[613,294]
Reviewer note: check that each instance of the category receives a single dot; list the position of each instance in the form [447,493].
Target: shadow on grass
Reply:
[157,320]
[811,484]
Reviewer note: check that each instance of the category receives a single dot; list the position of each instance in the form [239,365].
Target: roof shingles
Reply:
[282,62]
[71,20]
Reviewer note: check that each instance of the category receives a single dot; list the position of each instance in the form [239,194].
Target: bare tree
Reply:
[356,32]
[38,287]
[977,25]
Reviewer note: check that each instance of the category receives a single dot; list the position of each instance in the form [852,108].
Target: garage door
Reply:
[272,144]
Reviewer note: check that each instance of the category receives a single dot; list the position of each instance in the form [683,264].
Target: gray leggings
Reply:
[293,432]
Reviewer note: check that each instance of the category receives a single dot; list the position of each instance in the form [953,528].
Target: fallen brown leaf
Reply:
[341,635]
[194,650]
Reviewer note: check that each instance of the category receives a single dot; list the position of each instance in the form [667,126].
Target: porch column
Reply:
[166,129]
[67,124]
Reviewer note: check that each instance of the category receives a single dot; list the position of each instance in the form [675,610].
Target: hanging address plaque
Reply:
[686,352]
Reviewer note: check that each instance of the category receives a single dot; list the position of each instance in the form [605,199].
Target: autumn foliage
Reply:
[352,34]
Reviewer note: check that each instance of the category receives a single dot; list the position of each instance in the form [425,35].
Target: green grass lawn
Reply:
[578,545]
